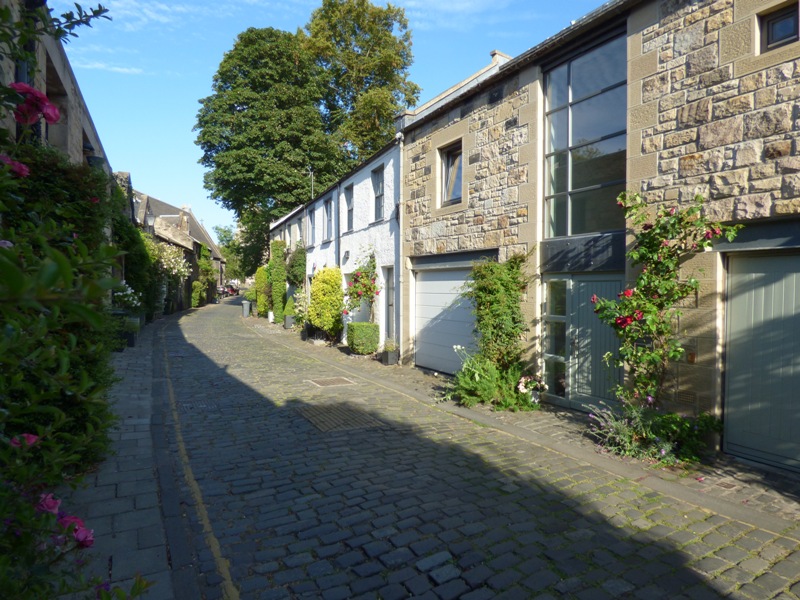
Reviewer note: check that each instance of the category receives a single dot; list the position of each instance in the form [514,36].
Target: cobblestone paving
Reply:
[286,500]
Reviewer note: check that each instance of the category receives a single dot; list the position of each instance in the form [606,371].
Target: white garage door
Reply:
[442,319]
[762,402]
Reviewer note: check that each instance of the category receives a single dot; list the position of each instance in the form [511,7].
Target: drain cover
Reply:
[185,407]
[338,417]
[331,381]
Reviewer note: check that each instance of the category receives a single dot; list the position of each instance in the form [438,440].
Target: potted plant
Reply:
[533,385]
[391,353]
[288,313]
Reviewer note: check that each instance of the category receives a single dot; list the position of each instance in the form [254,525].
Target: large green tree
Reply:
[365,53]
[261,129]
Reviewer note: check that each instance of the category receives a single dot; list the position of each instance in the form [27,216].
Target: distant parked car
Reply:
[222,291]
[232,291]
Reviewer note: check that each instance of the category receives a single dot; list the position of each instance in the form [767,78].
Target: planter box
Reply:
[390,357]
[288,321]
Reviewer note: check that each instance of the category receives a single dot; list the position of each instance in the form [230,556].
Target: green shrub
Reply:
[648,434]
[277,276]
[141,271]
[495,290]
[288,310]
[250,295]
[479,381]
[327,302]
[198,293]
[262,292]
[296,266]
[363,338]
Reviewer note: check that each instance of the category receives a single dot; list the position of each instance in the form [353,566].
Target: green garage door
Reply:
[762,391]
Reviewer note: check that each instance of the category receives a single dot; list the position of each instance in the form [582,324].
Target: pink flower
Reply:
[17,168]
[345,312]
[377,292]
[593,299]
[665,243]
[94,199]
[34,105]
[51,113]
[623,322]
[360,292]
[47,503]
[67,521]
[708,234]
[627,293]
[672,210]
[28,439]
[84,537]
[638,315]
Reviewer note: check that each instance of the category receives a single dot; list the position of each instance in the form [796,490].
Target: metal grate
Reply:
[338,417]
[332,381]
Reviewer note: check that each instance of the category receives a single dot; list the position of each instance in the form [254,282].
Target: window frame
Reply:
[348,202]
[327,207]
[447,163]
[765,20]
[376,176]
[311,229]
[557,201]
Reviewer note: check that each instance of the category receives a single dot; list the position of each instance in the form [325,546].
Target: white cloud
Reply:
[101,66]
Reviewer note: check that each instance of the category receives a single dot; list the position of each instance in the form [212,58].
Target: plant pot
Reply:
[130,338]
[288,321]
[390,357]
[271,317]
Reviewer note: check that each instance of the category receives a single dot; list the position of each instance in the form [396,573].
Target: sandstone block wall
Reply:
[711,115]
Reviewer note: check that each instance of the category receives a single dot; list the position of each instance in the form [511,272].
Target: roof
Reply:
[176,225]
[501,67]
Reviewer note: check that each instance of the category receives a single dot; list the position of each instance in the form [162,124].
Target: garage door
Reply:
[762,400]
[442,319]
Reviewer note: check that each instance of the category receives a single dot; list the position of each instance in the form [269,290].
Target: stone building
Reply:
[670,98]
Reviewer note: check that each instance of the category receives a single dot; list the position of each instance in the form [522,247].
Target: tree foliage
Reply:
[261,129]
[365,53]
[231,250]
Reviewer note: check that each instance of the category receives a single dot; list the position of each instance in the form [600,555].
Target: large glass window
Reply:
[348,199]
[586,141]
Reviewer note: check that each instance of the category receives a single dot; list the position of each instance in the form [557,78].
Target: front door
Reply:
[575,340]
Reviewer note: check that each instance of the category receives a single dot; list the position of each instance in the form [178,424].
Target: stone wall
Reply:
[495,131]
[710,115]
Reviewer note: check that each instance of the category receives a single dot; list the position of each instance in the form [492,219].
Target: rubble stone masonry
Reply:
[709,114]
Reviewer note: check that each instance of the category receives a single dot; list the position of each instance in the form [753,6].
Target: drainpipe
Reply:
[337,227]
[399,268]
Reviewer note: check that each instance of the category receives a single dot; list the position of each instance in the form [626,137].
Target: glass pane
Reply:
[557,174]
[557,298]
[557,216]
[556,377]
[599,116]
[599,162]
[599,69]
[453,177]
[556,85]
[557,130]
[784,28]
[556,340]
[597,210]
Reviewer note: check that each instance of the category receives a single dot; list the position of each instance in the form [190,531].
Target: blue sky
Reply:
[143,73]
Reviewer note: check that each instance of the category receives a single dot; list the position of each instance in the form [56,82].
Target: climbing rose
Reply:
[35,103]
[17,168]
[593,299]
[84,537]
[47,503]
[27,438]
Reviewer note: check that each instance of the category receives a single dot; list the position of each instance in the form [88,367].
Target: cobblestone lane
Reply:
[301,479]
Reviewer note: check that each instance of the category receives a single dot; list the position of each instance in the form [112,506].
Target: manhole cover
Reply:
[331,381]
[338,417]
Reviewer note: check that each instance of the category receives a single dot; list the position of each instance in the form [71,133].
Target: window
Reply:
[328,220]
[586,141]
[451,172]
[299,230]
[311,236]
[348,200]
[779,28]
[377,189]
